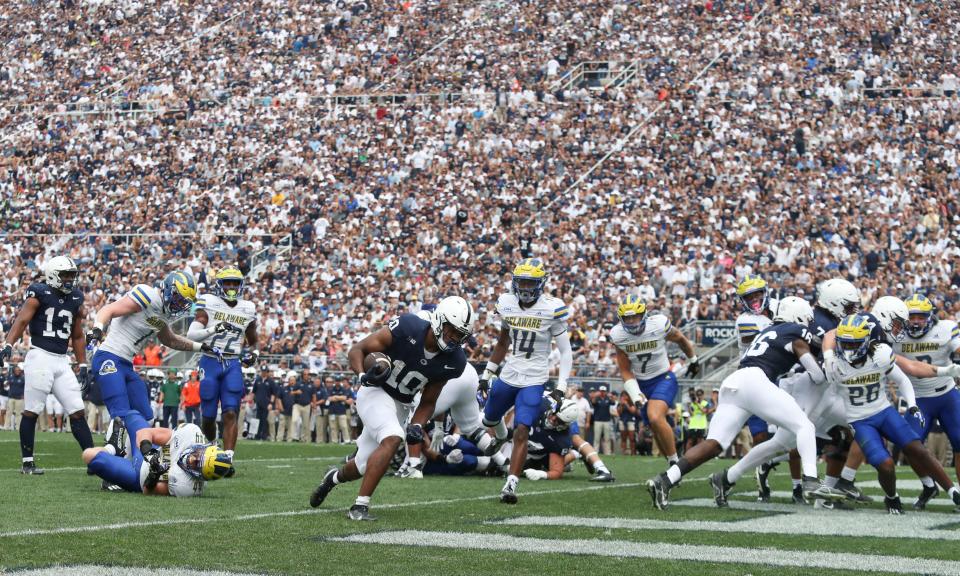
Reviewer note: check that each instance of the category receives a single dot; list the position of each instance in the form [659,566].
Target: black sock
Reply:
[684,466]
[28,430]
[80,430]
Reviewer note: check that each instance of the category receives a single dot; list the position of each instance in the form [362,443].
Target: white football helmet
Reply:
[839,297]
[155,374]
[456,312]
[793,309]
[56,273]
[893,315]
[566,413]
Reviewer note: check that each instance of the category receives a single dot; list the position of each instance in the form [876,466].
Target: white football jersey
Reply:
[531,332]
[127,334]
[647,351]
[179,482]
[934,347]
[863,387]
[240,315]
[750,324]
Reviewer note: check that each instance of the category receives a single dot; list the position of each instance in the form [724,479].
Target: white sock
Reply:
[830,481]
[336,478]
[511,479]
[28,459]
[674,474]
[599,466]
[230,452]
[895,495]
[848,474]
[414,462]
[927,481]
[362,501]
[796,482]
[483,462]
[500,430]
[499,459]
[484,442]
[672,459]
[109,449]
[953,490]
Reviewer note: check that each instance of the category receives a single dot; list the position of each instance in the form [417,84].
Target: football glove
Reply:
[83,376]
[953,371]
[414,433]
[455,456]
[451,440]
[436,440]
[5,353]
[915,413]
[94,336]
[532,474]
[693,367]
[222,327]
[213,351]
[484,385]
[250,358]
[376,375]
[558,396]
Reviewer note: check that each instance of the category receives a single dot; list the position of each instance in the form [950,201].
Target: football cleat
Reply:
[955,496]
[926,495]
[30,468]
[798,495]
[110,487]
[763,480]
[117,436]
[410,472]
[509,493]
[813,489]
[659,489]
[832,505]
[591,470]
[360,512]
[602,476]
[852,492]
[893,505]
[320,492]
[721,488]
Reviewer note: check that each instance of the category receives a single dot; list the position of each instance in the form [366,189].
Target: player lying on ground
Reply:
[163,462]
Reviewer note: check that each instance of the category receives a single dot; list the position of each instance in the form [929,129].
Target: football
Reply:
[373,358]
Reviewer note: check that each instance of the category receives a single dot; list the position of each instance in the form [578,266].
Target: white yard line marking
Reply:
[907,499]
[802,521]
[240,463]
[659,550]
[101,527]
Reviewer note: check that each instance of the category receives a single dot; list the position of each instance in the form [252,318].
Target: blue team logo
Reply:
[108,367]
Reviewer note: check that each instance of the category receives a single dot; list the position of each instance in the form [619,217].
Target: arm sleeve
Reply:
[812,368]
[198,332]
[566,360]
[904,385]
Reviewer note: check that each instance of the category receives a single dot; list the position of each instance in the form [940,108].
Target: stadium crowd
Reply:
[821,142]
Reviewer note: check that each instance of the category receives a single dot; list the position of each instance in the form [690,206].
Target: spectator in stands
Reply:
[170,399]
[320,419]
[190,399]
[304,397]
[286,400]
[340,402]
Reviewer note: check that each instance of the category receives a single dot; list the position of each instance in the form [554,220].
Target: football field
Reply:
[260,523]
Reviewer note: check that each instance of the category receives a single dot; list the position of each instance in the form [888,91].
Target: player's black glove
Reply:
[484,384]
[153,457]
[558,396]
[693,367]
[213,351]
[94,336]
[5,353]
[414,434]
[83,376]
[222,327]
[250,358]
[376,375]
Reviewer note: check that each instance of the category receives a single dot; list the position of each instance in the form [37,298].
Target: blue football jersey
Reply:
[544,441]
[823,322]
[412,368]
[52,324]
[772,349]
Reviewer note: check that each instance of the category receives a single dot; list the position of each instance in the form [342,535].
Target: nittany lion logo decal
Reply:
[108,367]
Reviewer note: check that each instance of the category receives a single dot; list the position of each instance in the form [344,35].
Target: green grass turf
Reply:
[278,478]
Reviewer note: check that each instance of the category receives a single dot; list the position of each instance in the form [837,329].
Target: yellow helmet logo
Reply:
[230,274]
[530,268]
[919,304]
[854,327]
[185,286]
[631,305]
[750,284]
[216,463]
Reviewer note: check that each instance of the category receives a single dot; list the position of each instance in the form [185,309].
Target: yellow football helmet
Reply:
[205,462]
[179,293]
[529,279]
[853,338]
[229,284]
[748,291]
[922,315]
[632,312]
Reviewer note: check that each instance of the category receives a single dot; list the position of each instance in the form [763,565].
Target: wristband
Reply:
[492,366]
[145,446]
[197,346]
[98,325]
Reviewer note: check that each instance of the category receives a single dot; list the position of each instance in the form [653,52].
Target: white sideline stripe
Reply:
[659,551]
[240,463]
[101,527]
[95,570]
[803,521]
